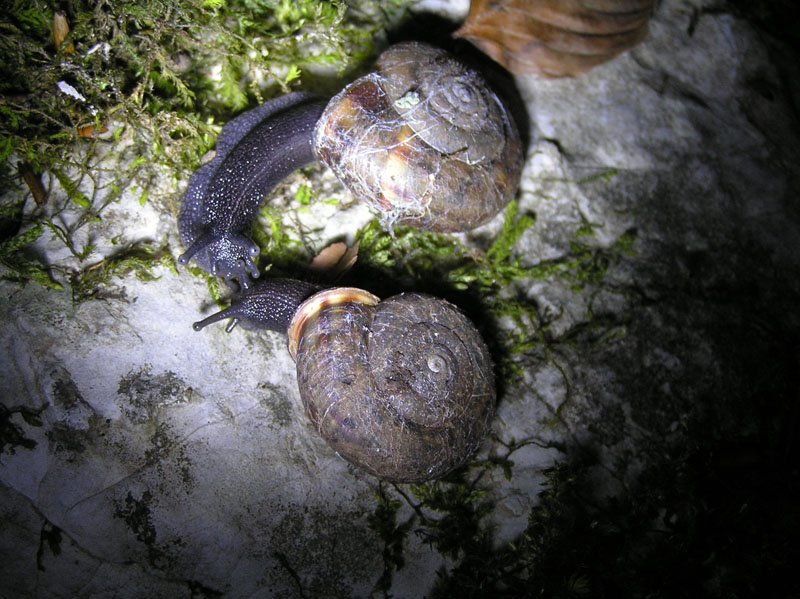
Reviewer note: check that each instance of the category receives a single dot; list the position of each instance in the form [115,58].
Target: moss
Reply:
[73,442]
[141,260]
[18,268]
[483,282]
[281,245]
[333,543]
[155,76]
[136,515]
[145,393]
[451,513]
[383,521]
[278,406]
[50,537]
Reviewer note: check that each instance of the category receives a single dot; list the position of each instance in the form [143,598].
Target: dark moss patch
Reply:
[12,434]
[169,455]
[144,393]
[49,539]
[198,590]
[335,540]
[136,515]
[277,404]
[66,439]
[383,521]
[66,394]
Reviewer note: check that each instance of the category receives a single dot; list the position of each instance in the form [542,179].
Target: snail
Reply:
[422,139]
[402,388]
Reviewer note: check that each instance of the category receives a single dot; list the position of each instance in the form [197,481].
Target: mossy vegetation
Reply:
[139,260]
[12,435]
[483,282]
[146,84]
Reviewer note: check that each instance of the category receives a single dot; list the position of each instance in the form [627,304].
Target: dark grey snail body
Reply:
[254,152]
[442,155]
[268,305]
[402,388]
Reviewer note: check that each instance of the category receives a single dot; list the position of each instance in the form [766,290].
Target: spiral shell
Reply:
[443,102]
[402,388]
[423,140]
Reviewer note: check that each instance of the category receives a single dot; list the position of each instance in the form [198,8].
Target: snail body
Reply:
[402,388]
[254,152]
[422,139]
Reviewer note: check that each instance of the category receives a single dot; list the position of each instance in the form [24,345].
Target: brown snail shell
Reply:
[402,388]
[555,38]
[423,140]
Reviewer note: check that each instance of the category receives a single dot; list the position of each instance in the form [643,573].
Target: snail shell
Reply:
[423,140]
[402,388]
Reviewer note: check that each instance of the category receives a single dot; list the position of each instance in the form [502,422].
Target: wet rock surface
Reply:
[142,459]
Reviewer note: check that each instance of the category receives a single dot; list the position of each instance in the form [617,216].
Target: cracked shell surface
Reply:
[423,140]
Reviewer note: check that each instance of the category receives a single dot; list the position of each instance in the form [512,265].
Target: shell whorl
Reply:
[441,153]
[319,301]
[403,389]
[448,105]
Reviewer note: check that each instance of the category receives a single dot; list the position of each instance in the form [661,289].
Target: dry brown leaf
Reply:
[34,183]
[329,256]
[90,130]
[555,38]
[60,32]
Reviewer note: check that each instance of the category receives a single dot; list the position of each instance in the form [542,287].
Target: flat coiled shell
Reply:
[448,105]
[414,150]
[403,390]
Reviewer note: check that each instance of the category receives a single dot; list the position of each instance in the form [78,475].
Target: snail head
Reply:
[229,255]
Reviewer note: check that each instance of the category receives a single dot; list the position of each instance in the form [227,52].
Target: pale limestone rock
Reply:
[173,463]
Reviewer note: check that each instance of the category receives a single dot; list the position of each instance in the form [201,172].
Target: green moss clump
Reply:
[139,260]
[147,81]
[484,282]
[383,521]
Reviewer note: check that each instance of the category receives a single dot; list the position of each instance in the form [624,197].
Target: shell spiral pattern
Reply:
[447,105]
[423,140]
[403,389]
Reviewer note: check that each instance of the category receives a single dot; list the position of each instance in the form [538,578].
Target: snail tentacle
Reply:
[268,305]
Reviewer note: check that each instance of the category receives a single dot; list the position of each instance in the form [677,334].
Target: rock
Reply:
[142,459]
